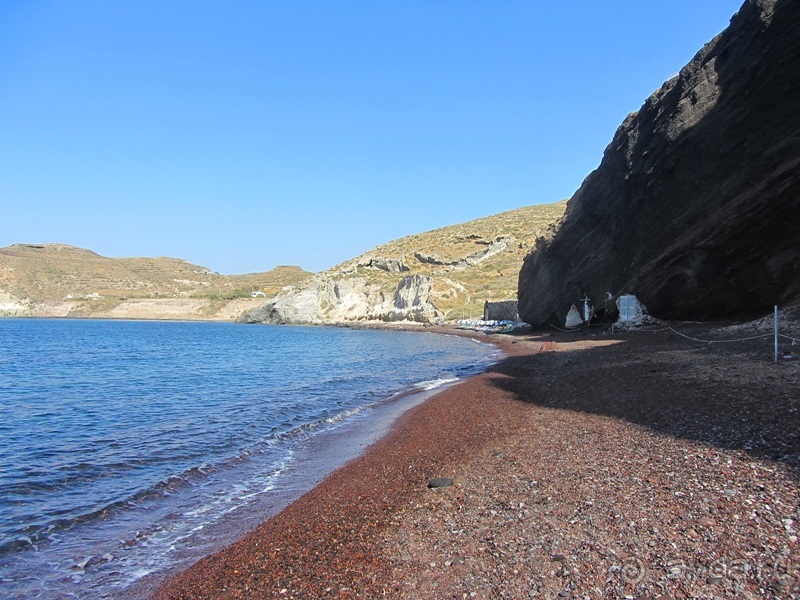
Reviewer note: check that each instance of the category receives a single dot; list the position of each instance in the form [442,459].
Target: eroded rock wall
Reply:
[331,301]
[694,207]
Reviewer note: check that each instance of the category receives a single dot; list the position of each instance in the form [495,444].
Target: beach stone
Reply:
[780,584]
[440,482]
[96,561]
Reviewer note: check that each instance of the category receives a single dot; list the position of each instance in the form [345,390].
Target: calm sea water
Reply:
[130,448]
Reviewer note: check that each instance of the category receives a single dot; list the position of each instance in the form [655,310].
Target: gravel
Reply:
[638,465]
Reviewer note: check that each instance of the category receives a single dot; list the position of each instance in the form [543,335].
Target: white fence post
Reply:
[776,333]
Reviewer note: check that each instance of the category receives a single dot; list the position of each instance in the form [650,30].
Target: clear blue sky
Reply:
[245,134]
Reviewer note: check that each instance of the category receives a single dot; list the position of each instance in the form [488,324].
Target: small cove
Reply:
[132,448]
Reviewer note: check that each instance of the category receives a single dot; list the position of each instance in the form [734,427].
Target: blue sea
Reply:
[128,449]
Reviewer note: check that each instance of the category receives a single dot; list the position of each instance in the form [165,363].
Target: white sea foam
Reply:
[432,384]
[345,414]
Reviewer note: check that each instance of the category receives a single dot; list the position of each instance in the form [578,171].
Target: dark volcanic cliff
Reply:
[694,207]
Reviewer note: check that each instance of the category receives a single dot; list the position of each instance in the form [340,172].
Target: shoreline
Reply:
[392,429]
[312,462]
[583,465]
[320,456]
[115,559]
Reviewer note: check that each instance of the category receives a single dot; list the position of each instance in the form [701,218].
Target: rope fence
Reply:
[775,334]
[744,339]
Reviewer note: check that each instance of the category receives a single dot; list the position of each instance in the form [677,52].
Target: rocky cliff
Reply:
[444,273]
[350,299]
[694,207]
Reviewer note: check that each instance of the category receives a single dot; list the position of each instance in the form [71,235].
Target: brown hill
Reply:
[445,273]
[470,262]
[49,279]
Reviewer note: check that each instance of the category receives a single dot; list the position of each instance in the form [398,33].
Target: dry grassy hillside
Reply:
[468,263]
[55,274]
[471,262]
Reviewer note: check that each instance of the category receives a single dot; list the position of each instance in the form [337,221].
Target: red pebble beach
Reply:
[584,466]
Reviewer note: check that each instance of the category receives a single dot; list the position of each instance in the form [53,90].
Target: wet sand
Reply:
[584,465]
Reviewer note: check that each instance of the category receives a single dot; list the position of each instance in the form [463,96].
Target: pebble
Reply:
[440,482]
[97,560]
[781,584]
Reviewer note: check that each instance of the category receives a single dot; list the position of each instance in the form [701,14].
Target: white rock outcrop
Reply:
[328,301]
[13,307]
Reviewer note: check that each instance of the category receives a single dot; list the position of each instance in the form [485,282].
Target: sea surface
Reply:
[129,449]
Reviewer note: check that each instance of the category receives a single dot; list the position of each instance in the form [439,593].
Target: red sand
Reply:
[583,467]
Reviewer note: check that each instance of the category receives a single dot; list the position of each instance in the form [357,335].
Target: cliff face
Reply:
[325,301]
[694,207]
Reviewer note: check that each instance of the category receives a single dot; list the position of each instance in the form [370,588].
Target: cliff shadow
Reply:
[729,395]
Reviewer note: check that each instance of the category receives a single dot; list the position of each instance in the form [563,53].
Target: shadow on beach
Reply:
[732,396]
